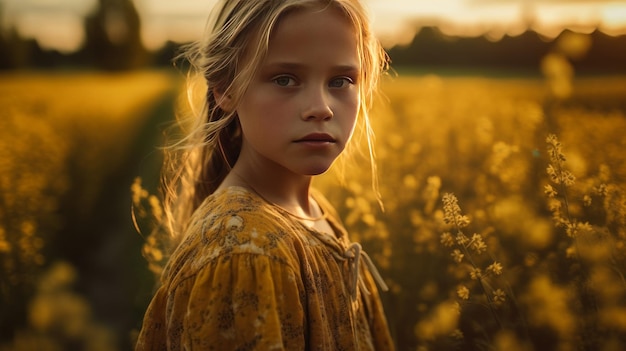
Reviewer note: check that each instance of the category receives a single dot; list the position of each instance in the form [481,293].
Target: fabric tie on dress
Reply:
[353,254]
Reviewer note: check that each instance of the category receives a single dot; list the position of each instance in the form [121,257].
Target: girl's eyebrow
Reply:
[300,66]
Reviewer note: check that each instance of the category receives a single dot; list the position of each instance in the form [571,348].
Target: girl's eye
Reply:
[340,82]
[284,81]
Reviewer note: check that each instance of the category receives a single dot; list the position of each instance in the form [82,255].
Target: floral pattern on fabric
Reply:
[249,277]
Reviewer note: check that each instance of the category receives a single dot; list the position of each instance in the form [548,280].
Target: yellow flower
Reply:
[550,191]
[462,221]
[475,273]
[461,239]
[479,247]
[457,255]
[553,174]
[567,178]
[576,228]
[495,268]
[137,191]
[478,244]
[447,240]
[555,170]
[463,292]
[155,205]
[555,149]
[452,211]
[499,296]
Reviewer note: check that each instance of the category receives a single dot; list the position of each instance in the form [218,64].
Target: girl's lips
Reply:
[316,138]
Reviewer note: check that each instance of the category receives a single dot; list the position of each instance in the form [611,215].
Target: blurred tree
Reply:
[15,52]
[6,61]
[113,36]
[18,52]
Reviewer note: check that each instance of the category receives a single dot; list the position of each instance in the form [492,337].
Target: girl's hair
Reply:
[226,59]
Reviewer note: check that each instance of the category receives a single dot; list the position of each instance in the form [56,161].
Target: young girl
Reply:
[263,261]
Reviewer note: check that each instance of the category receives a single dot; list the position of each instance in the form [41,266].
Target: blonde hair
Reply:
[235,43]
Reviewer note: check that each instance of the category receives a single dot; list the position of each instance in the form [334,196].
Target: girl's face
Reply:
[301,107]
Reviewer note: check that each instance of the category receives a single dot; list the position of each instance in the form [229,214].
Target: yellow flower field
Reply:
[505,216]
[504,222]
[62,137]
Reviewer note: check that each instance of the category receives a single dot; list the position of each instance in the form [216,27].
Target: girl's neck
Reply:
[289,191]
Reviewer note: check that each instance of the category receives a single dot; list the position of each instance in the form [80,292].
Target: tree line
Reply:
[431,48]
[113,42]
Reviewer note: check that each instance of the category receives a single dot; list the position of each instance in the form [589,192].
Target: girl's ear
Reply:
[225,102]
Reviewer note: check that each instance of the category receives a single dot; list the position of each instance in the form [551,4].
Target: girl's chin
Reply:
[316,171]
[313,170]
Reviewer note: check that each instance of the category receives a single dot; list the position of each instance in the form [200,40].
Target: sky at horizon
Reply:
[58,24]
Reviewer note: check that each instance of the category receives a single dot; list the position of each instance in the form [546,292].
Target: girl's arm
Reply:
[236,302]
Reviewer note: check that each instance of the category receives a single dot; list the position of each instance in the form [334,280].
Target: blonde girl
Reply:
[262,261]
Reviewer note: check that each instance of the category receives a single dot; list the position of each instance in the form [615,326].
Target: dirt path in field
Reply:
[116,279]
[70,147]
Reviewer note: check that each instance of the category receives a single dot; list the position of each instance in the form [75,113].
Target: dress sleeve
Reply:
[242,302]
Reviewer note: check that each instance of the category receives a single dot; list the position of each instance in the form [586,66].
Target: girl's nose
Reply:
[317,106]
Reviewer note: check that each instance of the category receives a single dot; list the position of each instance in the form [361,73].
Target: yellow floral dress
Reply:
[249,277]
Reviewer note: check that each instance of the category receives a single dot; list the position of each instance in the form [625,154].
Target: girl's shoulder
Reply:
[233,221]
[237,210]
